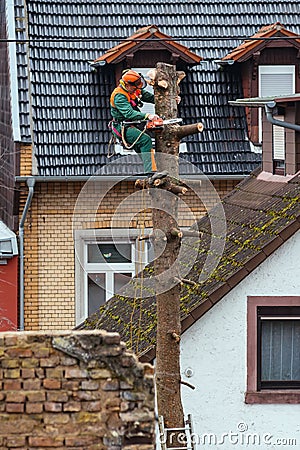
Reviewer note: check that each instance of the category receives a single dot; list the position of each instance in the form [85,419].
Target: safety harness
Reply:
[133,99]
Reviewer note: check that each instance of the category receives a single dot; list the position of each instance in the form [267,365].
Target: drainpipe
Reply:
[281,123]
[30,184]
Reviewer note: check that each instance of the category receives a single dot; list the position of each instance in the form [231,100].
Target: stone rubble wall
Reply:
[77,390]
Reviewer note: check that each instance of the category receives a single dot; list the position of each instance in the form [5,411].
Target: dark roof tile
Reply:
[65,89]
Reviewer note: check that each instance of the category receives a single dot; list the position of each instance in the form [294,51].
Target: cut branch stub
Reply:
[187,130]
[180,76]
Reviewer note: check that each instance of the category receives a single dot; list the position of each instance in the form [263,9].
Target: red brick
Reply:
[76,373]
[72,406]
[11,340]
[34,408]
[51,384]
[31,385]
[15,397]
[60,396]
[37,396]
[19,352]
[70,385]
[53,407]
[89,385]
[28,373]
[16,441]
[42,352]
[78,441]
[51,361]
[12,385]
[92,406]
[15,407]
[46,441]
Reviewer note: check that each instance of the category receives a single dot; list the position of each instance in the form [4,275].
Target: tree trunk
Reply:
[164,196]
[165,216]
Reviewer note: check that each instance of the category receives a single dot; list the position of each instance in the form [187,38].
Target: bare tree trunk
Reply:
[164,194]
[164,217]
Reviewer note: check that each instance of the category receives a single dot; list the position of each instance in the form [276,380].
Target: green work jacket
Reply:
[123,110]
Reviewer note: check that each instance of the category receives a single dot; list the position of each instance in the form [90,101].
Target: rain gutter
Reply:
[30,183]
[281,123]
[51,179]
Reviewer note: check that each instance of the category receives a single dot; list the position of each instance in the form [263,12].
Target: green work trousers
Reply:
[143,146]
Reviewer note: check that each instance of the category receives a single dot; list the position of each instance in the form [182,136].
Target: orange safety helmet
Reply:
[134,79]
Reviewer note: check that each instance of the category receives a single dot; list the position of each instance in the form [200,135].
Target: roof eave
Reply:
[138,40]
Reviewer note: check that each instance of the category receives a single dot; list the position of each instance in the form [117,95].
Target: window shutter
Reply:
[276,80]
[277,84]
[278,141]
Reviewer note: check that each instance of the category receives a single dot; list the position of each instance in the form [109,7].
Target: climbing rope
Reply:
[126,145]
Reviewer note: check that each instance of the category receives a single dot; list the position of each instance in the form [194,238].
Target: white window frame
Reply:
[273,70]
[83,238]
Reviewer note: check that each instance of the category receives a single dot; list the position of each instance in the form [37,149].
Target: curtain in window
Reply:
[280,350]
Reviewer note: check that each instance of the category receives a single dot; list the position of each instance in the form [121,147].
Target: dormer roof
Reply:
[259,41]
[141,39]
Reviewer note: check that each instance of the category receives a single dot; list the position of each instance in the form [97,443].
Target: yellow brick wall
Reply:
[59,208]
[25,160]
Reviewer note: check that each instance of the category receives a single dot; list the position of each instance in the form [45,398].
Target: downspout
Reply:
[281,123]
[30,184]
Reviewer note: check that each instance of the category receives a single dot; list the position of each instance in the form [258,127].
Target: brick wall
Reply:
[79,390]
[49,240]
[25,160]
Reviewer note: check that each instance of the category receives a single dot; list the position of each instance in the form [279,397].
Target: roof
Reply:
[70,100]
[135,41]
[261,213]
[248,47]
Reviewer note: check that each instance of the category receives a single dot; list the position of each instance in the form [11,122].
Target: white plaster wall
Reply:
[215,349]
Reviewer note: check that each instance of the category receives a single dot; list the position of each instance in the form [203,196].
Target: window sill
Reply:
[271,397]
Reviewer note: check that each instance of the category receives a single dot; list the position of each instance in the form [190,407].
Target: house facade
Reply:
[240,302]
[54,117]
[217,360]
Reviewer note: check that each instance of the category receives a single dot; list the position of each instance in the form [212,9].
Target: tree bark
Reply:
[164,194]
[165,216]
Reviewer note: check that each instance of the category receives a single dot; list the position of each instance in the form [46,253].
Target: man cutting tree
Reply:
[125,103]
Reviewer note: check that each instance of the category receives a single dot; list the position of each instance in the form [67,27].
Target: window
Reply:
[105,262]
[273,350]
[279,347]
[275,80]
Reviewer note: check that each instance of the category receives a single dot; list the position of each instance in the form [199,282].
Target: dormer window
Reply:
[145,48]
[268,67]
[140,52]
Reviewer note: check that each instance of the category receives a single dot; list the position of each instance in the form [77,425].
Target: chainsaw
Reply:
[155,124]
